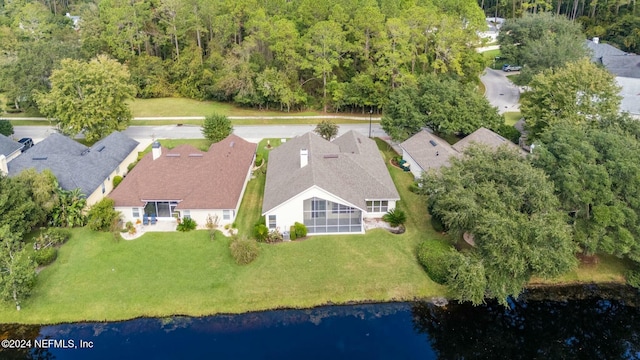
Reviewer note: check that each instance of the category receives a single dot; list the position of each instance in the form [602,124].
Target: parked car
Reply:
[507,67]
[27,143]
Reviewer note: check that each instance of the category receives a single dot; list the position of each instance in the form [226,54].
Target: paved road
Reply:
[501,92]
[249,132]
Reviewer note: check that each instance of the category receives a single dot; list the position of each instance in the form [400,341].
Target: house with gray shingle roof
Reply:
[90,169]
[328,186]
[625,67]
[187,182]
[425,151]
[9,150]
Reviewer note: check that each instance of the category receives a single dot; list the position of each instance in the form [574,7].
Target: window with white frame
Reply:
[377,206]
[135,212]
[226,214]
[186,214]
[272,221]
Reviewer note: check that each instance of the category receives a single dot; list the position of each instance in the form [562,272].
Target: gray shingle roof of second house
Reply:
[615,60]
[8,146]
[428,150]
[73,164]
[486,137]
[350,168]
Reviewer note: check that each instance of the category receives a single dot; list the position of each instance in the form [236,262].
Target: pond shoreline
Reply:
[589,288]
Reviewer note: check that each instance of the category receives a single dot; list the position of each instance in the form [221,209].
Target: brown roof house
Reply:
[187,182]
[328,186]
[425,151]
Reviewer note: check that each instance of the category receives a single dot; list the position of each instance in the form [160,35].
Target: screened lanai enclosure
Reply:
[323,216]
[160,208]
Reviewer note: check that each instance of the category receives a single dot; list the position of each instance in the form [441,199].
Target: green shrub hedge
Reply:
[187,224]
[244,250]
[45,256]
[259,160]
[300,229]
[292,232]
[432,255]
[116,181]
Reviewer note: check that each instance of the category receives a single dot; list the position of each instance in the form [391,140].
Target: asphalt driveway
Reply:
[501,92]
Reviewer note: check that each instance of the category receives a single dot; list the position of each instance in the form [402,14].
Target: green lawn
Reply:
[511,118]
[251,207]
[189,107]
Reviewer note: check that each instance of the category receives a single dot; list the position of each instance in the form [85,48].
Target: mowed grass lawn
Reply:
[96,278]
[188,107]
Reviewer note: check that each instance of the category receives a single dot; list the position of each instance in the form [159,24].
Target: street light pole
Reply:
[370,113]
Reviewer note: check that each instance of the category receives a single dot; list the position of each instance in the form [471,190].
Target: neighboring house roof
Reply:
[350,168]
[598,50]
[615,60]
[486,137]
[428,150]
[76,165]
[8,146]
[197,179]
[623,66]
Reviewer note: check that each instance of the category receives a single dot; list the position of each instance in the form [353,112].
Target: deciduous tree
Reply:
[216,127]
[579,93]
[446,106]
[17,269]
[327,129]
[89,97]
[509,209]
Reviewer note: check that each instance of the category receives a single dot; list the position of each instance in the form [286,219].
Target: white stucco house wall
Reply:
[328,186]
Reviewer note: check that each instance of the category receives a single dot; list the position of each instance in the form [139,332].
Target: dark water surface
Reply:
[578,323]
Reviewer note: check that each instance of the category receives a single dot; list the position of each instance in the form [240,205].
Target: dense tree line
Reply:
[338,55]
[577,193]
[616,22]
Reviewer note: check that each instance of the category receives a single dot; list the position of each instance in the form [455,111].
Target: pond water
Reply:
[578,323]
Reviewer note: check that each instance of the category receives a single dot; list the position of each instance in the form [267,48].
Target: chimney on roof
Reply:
[4,169]
[596,40]
[156,150]
[304,157]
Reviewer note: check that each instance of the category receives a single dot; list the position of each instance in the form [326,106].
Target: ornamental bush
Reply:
[395,217]
[261,232]
[259,160]
[102,216]
[116,181]
[187,224]
[45,256]
[244,250]
[301,230]
[292,233]
[432,255]
[51,237]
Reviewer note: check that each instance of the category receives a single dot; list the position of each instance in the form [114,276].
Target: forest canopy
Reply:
[339,55]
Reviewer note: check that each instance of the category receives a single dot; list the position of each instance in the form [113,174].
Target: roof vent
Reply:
[433,143]
[85,152]
[39,158]
[173,155]
[195,155]
[101,148]
[359,141]
[232,143]
[331,156]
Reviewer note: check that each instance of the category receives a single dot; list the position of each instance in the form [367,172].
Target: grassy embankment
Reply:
[161,274]
[181,107]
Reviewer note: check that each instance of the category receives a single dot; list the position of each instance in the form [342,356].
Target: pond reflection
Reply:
[579,323]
